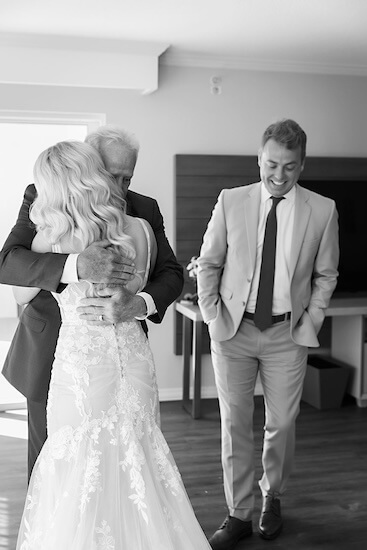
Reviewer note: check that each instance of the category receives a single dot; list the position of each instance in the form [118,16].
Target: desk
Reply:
[347,344]
[348,333]
[192,320]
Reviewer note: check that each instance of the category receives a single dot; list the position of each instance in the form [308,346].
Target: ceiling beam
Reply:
[79,61]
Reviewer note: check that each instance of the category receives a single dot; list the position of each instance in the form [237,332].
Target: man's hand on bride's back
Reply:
[112,305]
[100,263]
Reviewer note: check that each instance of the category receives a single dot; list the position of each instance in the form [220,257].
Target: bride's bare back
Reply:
[144,243]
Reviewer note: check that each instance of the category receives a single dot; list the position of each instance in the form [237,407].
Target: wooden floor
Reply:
[325,507]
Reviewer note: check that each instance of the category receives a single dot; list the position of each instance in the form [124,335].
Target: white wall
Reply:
[183,117]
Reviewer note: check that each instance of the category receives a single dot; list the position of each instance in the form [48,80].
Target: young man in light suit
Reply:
[28,363]
[305,252]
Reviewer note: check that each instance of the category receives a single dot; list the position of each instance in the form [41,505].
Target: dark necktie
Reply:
[264,302]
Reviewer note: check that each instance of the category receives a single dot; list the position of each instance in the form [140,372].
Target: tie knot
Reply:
[276,201]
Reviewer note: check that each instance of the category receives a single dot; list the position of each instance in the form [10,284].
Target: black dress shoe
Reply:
[229,533]
[270,523]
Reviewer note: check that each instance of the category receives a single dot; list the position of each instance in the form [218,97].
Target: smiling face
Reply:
[279,167]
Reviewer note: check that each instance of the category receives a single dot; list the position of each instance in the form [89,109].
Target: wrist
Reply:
[141,310]
[70,271]
[80,267]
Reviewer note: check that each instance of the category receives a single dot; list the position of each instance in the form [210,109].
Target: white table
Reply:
[192,321]
[348,333]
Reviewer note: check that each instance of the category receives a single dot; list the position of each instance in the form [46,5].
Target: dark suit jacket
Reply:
[28,363]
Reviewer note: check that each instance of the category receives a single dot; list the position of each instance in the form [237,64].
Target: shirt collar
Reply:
[291,195]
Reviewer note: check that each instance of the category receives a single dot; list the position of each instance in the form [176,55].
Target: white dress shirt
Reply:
[285,221]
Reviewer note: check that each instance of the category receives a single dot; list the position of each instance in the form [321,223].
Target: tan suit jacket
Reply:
[228,253]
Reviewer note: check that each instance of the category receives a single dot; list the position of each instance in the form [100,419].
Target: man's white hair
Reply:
[109,134]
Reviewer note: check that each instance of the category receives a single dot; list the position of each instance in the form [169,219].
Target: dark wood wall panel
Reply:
[194,207]
[206,186]
[187,250]
[334,169]
[216,165]
[191,228]
[199,180]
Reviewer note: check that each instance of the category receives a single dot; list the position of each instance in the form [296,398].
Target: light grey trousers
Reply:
[282,365]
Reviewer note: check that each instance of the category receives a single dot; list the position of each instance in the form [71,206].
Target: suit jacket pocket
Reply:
[225,292]
[33,323]
[304,332]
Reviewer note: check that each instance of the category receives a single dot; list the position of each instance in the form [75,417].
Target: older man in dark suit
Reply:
[28,363]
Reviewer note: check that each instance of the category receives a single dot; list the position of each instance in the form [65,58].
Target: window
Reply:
[23,135]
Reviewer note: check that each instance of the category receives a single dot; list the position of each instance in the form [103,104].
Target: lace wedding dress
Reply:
[105,478]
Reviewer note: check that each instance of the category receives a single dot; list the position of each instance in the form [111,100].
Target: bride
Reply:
[105,478]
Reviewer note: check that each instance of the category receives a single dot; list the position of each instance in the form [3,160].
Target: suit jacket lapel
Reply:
[252,205]
[302,214]
[129,206]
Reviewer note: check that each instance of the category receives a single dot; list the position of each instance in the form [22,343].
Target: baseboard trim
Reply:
[207,392]
[175,394]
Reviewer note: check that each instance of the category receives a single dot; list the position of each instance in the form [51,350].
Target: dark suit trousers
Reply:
[36,431]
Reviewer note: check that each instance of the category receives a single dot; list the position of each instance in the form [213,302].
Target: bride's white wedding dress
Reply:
[105,478]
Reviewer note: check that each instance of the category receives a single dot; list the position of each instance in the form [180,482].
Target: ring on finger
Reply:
[100,317]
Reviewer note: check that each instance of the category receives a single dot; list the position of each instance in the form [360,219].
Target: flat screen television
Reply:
[351,202]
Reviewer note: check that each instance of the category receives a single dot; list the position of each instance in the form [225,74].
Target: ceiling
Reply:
[327,36]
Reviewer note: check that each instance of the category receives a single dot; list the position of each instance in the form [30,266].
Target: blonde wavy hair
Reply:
[76,196]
